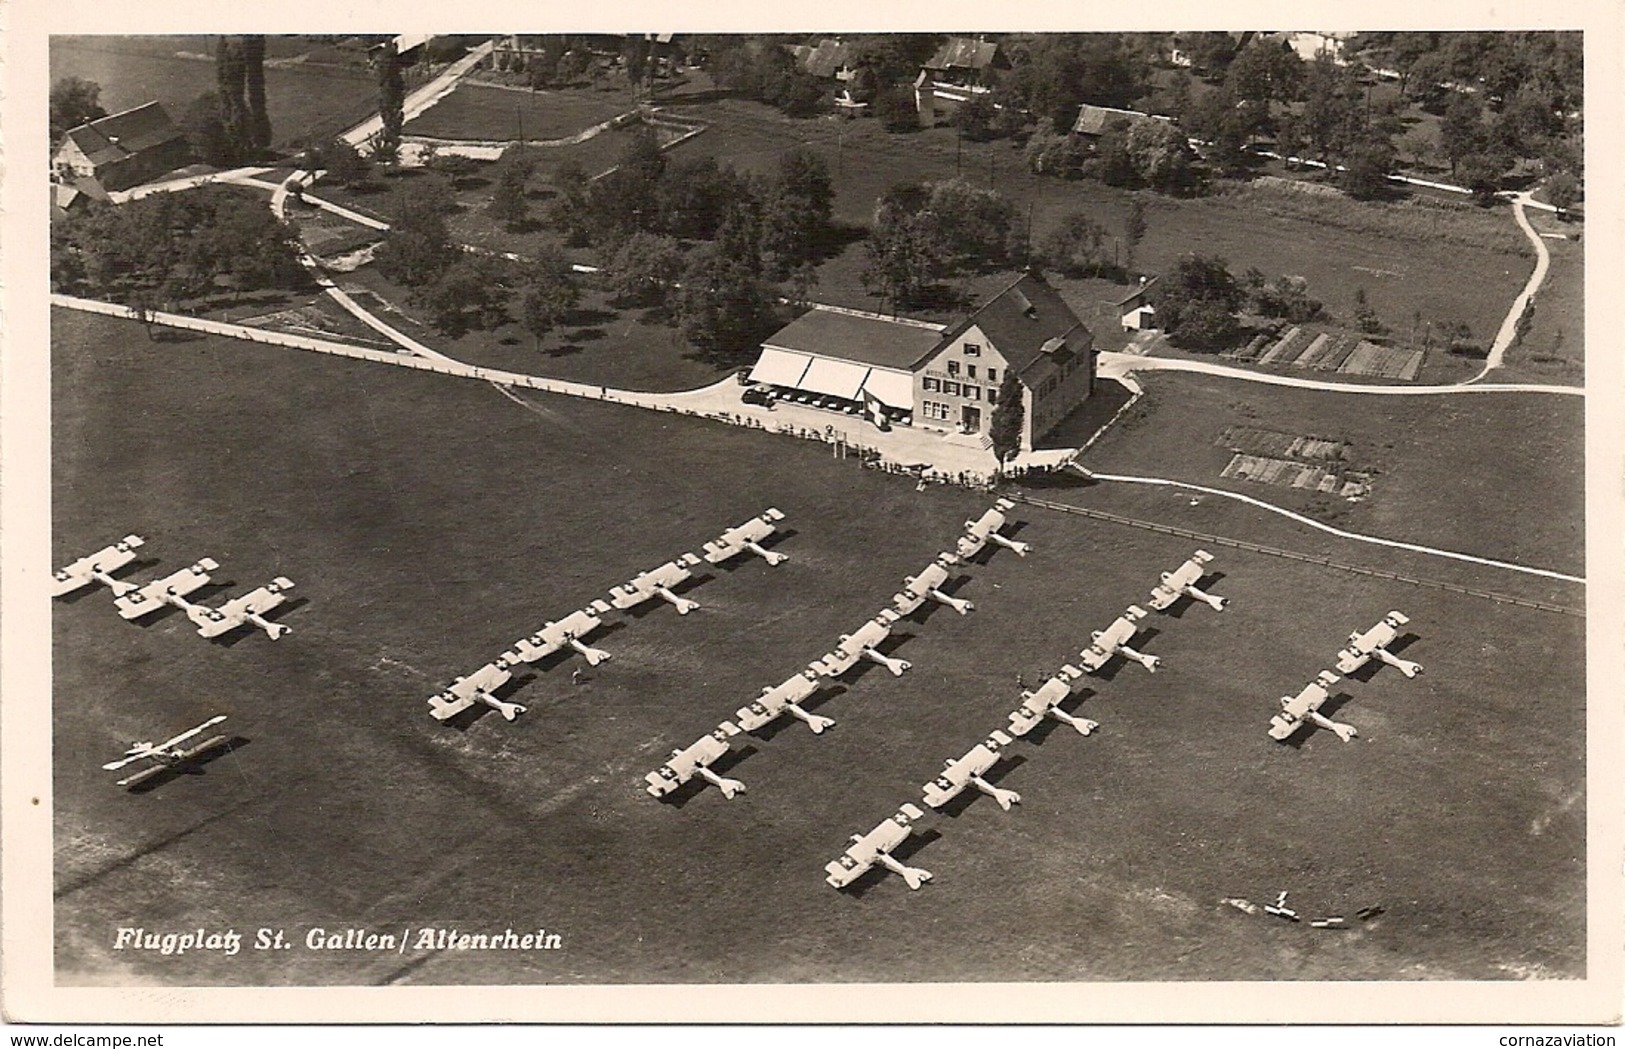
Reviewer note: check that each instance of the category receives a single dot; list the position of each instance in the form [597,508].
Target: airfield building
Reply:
[934,377]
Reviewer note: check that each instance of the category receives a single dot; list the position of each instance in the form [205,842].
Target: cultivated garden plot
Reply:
[343,806]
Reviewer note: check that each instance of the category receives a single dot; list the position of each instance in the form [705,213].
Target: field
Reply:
[495,114]
[1553,349]
[429,522]
[1446,264]
[311,100]
[1440,462]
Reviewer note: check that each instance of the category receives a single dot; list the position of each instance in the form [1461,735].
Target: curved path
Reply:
[1509,327]
[424,97]
[1340,533]
[1121,365]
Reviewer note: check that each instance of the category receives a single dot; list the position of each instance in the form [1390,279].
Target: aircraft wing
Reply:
[443,705]
[189,733]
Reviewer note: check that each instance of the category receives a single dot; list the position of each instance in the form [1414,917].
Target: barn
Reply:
[122,150]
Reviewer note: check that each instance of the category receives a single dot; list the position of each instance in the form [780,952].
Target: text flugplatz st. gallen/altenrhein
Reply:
[421,938]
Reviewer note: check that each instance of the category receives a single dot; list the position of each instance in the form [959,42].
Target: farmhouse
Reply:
[830,59]
[122,150]
[1093,121]
[957,72]
[946,379]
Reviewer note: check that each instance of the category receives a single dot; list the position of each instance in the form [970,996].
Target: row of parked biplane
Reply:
[136,601]
[971,769]
[861,645]
[480,687]
[1304,708]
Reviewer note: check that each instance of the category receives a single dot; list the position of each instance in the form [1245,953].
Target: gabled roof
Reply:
[961,52]
[849,337]
[825,60]
[1093,120]
[1026,322]
[112,138]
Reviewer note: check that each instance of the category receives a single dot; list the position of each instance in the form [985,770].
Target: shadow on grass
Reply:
[193,766]
[587,335]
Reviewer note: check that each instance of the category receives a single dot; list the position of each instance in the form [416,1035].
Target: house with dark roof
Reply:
[964,59]
[828,60]
[959,70]
[120,151]
[936,378]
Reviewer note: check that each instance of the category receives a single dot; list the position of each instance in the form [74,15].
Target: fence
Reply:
[1292,555]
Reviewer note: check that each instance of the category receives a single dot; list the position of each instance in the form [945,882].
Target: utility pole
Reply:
[959,149]
[519,118]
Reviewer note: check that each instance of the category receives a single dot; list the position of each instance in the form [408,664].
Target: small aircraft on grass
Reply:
[1305,706]
[657,582]
[1046,701]
[861,645]
[784,698]
[566,633]
[747,536]
[966,771]
[920,588]
[170,590]
[695,760]
[1182,581]
[249,608]
[1113,641]
[477,687]
[985,528]
[96,568]
[866,850]
[168,755]
[1375,642]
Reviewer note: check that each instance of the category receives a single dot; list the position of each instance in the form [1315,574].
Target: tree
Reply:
[508,202]
[974,118]
[205,132]
[902,254]
[1197,303]
[1133,230]
[693,196]
[257,122]
[1160,155]
[391,99]
[643,269]
[1077,247]
[1006,427]
[1481,174]
[723,308]
[550,294]
[1264,73]
[74,102]
[1562,192]
[975,228]
[1210,53]
[801,202]
[568,212]
[1366,165]
[419,248]
[1286,297]
[344,163]
[231,68]
[1461,132]
[464,296]
[1061,155]
[895,109]
[1365,318]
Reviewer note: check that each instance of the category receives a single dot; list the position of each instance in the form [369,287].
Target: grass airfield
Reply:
[429,522]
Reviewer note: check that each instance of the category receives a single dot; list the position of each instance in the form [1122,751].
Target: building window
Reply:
[992,395]
[993,376]
[951,389]
[930,385]
[953,368]
[935,410]
[973,392]
[970,371]
[973,349]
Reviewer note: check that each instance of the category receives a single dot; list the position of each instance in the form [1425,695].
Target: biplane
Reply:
[1045,701]
[1113,641]
[861,645]
[866,850]
[657,582]
[747,536]
[696,760]
[566,633]
[986,528]
[925,586]
[1182,582]
[1305,707]
[170,590]
[168,755]
[1375,642]
[966,771]
[478,687]
[784,698]
[98,568]
[249,608]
